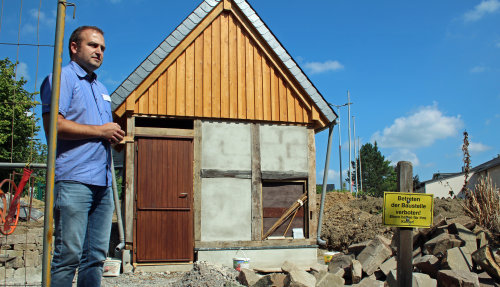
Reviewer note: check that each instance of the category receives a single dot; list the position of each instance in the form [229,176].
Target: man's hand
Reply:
[112,132]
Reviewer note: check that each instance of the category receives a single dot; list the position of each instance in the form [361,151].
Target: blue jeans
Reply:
[82,218]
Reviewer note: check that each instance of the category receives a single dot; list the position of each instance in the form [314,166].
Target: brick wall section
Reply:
[21,256]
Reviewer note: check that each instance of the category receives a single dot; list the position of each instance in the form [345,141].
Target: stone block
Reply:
[326,279]
[263,282]
[300,278]
[32,258]
[337,271]
[481,239]
[392,279]
[6,273]
[343,261]
[28,275]
[248,277]
[356,271]
[485,258]
[373,256]
[319,267]
[288,267]
[278,279]
[449,278]
[455,259]
[423,280]
[25,246]
[358,247]
[368,282]
[388,265]
[428,264]
[438,245]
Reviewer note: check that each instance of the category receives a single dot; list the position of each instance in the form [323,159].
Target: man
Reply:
[83,199]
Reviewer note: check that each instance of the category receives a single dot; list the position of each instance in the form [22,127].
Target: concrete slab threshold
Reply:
[261,258]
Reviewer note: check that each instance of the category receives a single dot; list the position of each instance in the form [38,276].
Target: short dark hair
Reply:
[75,36]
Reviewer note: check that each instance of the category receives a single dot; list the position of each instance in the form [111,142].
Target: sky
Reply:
[419,73]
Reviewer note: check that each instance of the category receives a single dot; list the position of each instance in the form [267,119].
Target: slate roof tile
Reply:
[148,66]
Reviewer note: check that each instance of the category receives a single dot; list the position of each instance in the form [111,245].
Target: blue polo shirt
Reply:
[83,100]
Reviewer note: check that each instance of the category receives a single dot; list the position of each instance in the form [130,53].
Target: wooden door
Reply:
[164,189]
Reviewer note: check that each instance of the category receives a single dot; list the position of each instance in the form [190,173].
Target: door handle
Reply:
[183,195]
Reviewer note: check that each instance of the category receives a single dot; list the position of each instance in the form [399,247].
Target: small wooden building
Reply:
[220,124]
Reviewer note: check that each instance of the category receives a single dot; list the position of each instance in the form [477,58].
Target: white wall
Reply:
[283,148]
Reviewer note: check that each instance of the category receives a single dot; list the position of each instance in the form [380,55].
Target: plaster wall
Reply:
[283,148]
[441,188]
[225,209]
[226,146]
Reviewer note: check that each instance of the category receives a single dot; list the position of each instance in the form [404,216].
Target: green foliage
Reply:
[16,106]
[378,175]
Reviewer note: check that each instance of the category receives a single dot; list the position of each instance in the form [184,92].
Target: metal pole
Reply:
[48,228]
[323,192]
[340,151]
[360,165]
[349,130]
[355,154]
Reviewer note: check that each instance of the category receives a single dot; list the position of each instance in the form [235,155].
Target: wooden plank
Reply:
[298,111]
[311,185]
[198,77]
[240,38]
[197,179]
[162,94]
[283,101]
[153,99]
[259,113]
[143,103]
[276,212]
[266,89]
[249,83]
[158,132]
[256,185]
[235,245]
[180,97]
[131,102]
[224,34]
[216,68]
[207,72]
[404,235]
[179,49]
[275,98]
[290,104]
[279,67]
[129,183]
[171,89]
[233,70]
[217,173]
[281,175]
[190,81]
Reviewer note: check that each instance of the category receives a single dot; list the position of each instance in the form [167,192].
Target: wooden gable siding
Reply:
[223,73]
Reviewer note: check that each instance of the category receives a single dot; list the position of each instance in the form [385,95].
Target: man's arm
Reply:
[70,130]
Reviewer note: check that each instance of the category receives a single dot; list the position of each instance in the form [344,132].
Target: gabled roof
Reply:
[179,34]
[482,167]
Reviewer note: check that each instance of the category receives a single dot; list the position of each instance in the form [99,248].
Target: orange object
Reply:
[9,220]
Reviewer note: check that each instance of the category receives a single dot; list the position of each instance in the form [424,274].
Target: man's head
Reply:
[86,47]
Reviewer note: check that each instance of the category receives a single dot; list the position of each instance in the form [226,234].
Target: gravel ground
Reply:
[203,274]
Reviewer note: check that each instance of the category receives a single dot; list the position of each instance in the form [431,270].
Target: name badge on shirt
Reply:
[106,97]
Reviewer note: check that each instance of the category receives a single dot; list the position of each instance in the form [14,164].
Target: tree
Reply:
[378,175]
[18,125]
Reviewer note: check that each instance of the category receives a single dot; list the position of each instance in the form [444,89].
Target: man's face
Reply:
[90,52]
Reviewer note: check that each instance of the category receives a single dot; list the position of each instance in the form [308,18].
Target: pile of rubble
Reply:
[448,254]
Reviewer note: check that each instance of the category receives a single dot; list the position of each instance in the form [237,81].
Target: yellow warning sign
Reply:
[408,209]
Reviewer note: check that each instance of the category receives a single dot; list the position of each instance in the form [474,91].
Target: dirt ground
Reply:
[348,220]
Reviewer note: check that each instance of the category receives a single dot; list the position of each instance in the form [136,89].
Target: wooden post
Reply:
[404,234]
